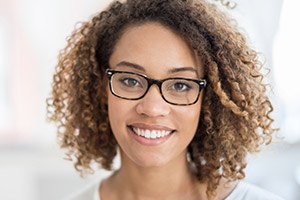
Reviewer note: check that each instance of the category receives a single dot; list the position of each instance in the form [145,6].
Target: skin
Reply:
[161,171]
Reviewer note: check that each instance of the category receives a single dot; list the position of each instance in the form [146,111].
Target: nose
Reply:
[152,104]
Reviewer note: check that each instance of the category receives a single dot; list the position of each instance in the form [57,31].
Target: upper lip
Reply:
[151,127]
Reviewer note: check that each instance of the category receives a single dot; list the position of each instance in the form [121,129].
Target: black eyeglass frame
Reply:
[110,72]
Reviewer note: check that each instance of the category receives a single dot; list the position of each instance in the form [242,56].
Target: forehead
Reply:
[153,45]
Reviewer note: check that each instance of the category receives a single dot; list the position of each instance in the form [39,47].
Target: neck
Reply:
[173,180]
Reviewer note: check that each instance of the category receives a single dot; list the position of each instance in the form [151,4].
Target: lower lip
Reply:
[149,141]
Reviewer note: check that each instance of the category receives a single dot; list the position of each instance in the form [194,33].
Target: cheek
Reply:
[116,111]
[188,119]
[119,112]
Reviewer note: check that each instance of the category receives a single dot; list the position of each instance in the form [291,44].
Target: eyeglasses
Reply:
[133,86]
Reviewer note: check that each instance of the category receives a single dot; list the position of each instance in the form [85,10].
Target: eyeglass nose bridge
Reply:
[151,82]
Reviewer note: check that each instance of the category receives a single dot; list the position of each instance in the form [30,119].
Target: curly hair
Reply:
[235,117]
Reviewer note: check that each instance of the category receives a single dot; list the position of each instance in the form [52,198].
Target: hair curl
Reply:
[236,111]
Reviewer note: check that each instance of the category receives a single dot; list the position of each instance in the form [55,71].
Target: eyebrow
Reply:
[170,71]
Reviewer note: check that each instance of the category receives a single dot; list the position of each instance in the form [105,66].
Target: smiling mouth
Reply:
[151,134]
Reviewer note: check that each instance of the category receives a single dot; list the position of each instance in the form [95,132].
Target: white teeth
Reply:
[147,134]
[139,133]
[158,134]
[142,133]
[153,134]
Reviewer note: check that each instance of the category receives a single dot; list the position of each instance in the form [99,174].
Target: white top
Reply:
[243,191]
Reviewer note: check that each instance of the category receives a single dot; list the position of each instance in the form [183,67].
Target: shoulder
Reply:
[89,192]
[247,191]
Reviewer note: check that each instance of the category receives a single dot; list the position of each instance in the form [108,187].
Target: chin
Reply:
[151,161]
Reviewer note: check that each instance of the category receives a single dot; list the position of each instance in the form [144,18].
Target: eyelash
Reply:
[123,81]
[187,87]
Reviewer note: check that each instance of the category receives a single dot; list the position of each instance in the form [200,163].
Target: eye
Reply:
[181,87]
[130,82]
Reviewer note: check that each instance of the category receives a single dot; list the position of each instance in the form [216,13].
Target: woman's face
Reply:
[155,51]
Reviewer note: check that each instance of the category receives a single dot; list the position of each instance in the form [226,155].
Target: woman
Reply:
[174,87]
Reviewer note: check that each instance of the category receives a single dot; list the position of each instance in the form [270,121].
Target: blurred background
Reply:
[32,32]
